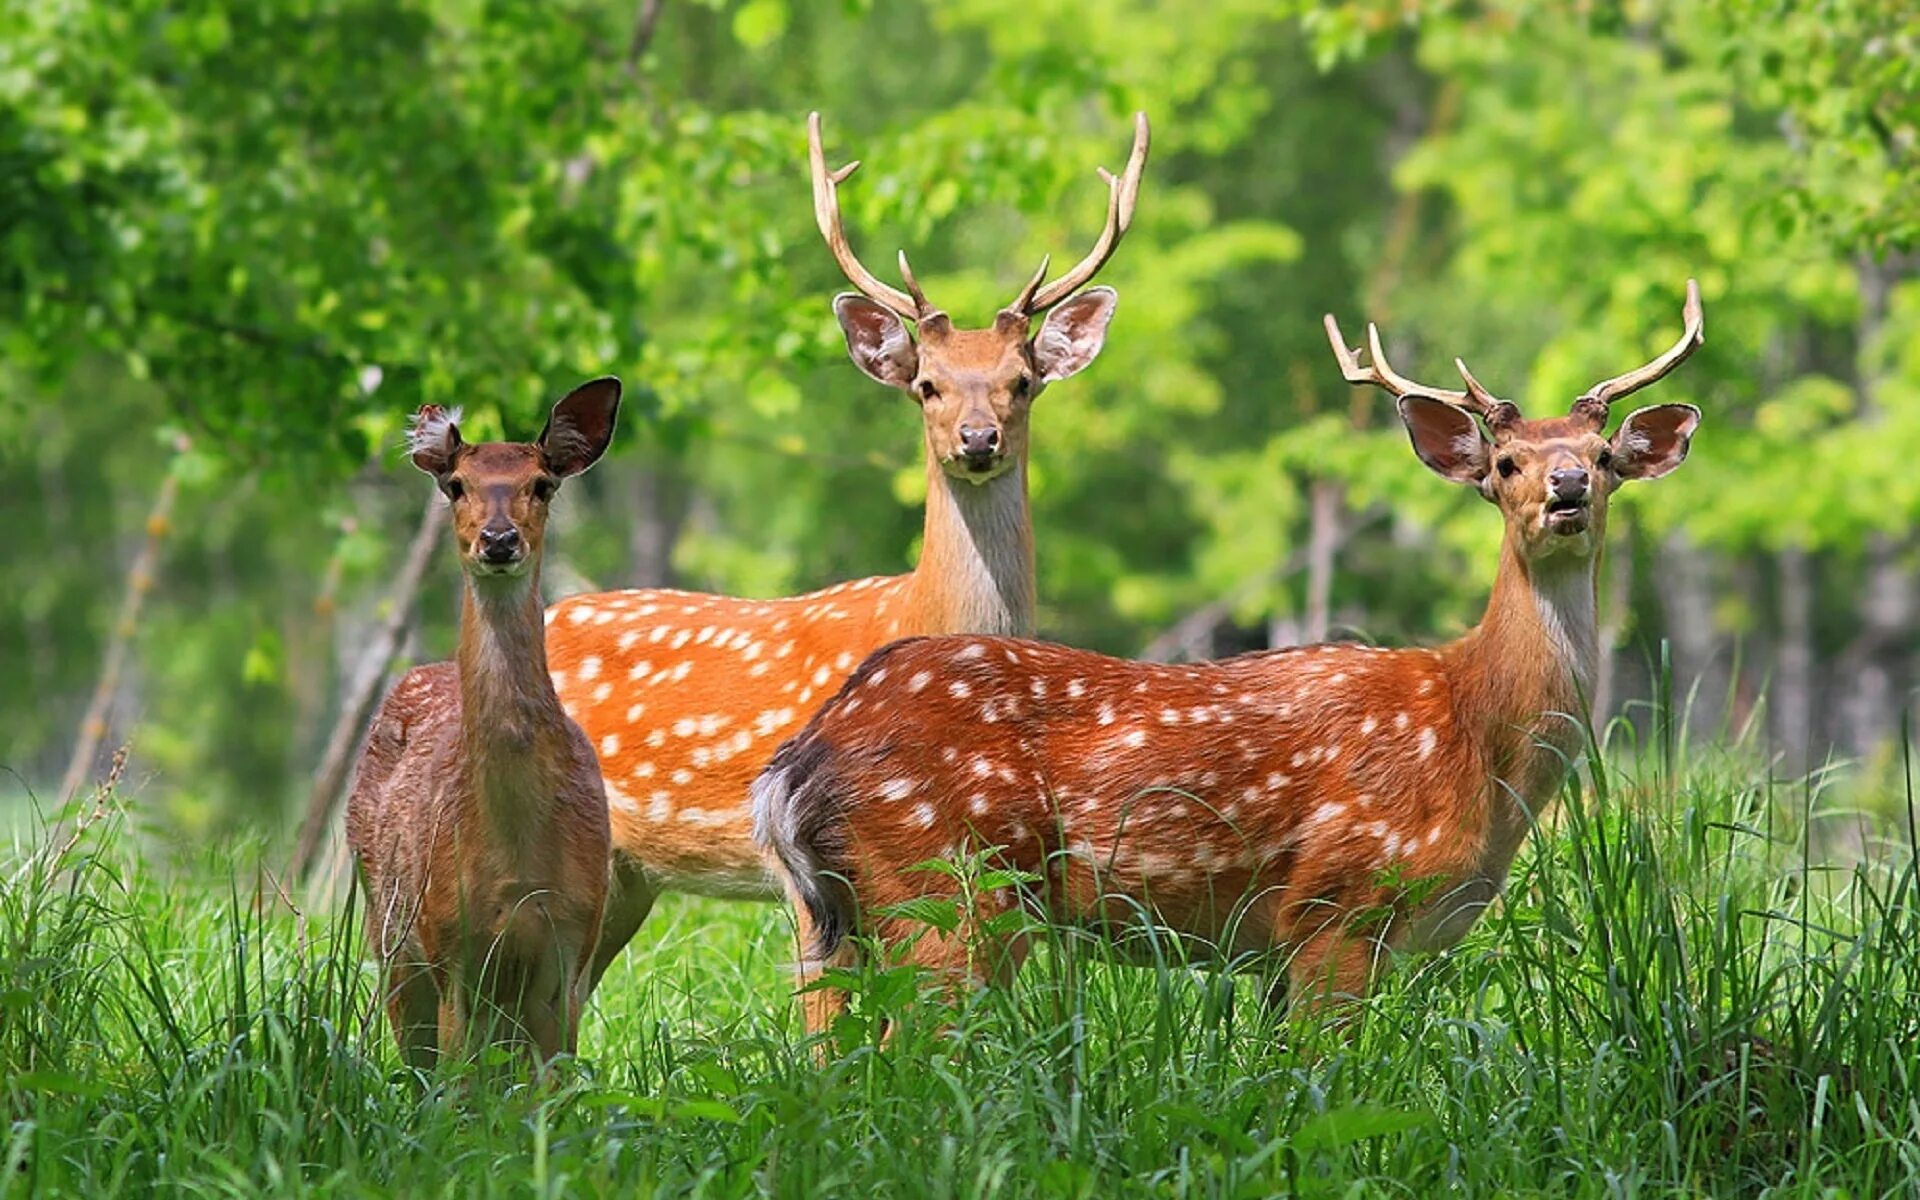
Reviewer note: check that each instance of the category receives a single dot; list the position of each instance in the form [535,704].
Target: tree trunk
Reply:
[331,778]
[1327,499]
[1793,681]
[1875,665]
[658,515]
[1685,585]
[93,726]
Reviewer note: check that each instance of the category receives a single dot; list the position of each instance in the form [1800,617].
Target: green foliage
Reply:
[279,227]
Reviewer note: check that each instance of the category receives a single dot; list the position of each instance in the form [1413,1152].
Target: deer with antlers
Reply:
[1326,802]
[686,696]
[477,817]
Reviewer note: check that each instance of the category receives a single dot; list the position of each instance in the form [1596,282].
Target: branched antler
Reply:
[1596,401]
[1122,193]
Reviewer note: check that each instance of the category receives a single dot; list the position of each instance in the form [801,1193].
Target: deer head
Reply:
[499,491]
[975,386]
[1550,476]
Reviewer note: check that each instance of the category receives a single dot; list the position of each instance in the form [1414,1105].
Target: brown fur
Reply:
[1329,802]
[477,817]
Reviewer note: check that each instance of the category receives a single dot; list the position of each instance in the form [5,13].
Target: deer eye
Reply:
[1022,384]
[455,489]
[543,489]
[928,391]
[1507,467]
[1605,461]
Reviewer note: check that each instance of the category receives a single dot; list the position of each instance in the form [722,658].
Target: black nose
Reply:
[1569,483]
[499,545]
[978,442]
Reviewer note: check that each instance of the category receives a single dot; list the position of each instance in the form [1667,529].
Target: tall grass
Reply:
[1677,996]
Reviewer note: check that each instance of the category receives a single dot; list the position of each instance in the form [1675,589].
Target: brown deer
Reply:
[686,696]
[477,816]
[1329,802]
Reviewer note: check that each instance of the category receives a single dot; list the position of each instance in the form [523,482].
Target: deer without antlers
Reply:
[685,696]
[1328,802]
[477,816]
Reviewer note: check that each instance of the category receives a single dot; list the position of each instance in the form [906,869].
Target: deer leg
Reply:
[820,1006]
[451,1017]
[630,898]
[1331,971]
[411,1009]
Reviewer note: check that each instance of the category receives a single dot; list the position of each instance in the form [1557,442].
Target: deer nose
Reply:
[499,545]
[978,441]
[1568,483]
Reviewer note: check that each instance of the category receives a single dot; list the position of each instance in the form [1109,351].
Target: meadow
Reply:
[1687,989]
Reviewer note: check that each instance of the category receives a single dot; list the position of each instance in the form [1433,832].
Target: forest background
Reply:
[240,244]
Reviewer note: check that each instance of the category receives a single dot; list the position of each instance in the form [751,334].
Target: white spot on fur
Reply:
[971,650]
[896,789]
[959,690]
[580,614]
[682,777]
[1369,725]
[610,745]
[1427,742]
[1076,688]
[1136,738]
[923,815]
[919,681]
[602,692]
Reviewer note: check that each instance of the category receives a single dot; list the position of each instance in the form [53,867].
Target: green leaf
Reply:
[1345,1126]
[759,23]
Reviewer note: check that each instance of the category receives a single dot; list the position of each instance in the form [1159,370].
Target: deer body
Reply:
[689,694]
[477,817]
[1329,802]
[685,696]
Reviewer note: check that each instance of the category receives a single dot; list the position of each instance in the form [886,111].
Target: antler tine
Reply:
[1380,373]
[1484,401]
[922,307]
[1122,193]
[1597,398]
[1022,304]
[826,214]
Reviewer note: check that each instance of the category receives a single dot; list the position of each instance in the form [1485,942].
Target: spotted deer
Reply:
[1326,803]
[685,696]
[477,817]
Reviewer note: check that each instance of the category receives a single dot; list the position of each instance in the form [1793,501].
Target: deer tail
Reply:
[794,813]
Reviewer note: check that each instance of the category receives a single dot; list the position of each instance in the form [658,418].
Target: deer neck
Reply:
[1523,676]
[508,705]
[976,570]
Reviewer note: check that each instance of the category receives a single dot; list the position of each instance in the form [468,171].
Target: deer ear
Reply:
[1447,439]
[1653,441]
[878,341]
[1073,333]
[433,440]
[581,426]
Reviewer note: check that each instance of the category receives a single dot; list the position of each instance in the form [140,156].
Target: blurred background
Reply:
[240,243]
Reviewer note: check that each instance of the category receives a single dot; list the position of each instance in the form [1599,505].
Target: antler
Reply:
[1379,373]
[1597,399]
[826,213]
[1122,192]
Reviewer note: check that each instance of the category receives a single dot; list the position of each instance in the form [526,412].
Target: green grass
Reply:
[1676,998]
